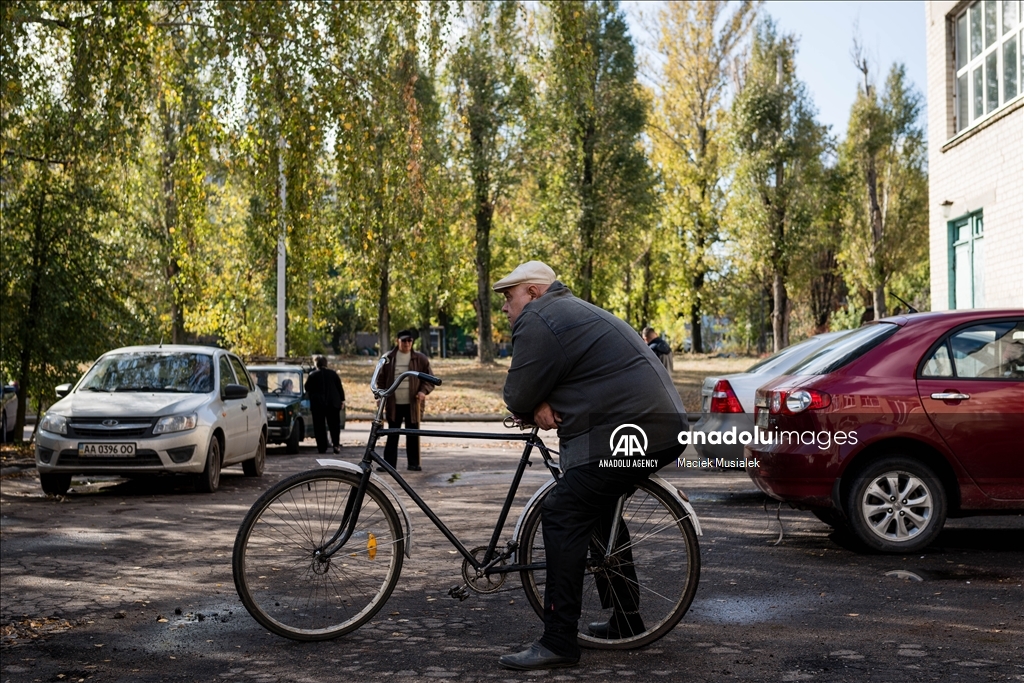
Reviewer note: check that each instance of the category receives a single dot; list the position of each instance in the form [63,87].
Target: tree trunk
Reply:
[780,297]
[697,313]
[645,305]
[878,301]
[877,231]
[780,310]
[697,281]
[484,221]
[588,216]
[170,206]
[33,314]
[383,313]
[696,333]
[442,342]
[628,287]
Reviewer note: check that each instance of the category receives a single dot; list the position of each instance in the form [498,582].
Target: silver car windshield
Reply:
[844,349]
[186,373]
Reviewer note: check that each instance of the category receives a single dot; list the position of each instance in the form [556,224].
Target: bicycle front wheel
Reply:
[291,589]
[658,547]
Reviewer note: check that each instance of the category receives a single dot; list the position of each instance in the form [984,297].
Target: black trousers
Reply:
[577,510]
[326,419]
[412,442]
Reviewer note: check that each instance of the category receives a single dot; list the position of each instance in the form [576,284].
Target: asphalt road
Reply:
[131,581]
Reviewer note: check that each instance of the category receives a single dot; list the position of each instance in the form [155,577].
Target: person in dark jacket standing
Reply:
[579,369]
[407,403]
[660,347]
[326,397]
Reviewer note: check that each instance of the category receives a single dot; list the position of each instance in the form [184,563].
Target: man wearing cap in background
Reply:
[406,404]
[573,365]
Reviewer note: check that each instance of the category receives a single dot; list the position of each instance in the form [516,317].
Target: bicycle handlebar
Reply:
[381,393]
[429,378]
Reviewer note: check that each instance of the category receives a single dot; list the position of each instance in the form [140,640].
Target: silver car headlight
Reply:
[55,424]
[176,423]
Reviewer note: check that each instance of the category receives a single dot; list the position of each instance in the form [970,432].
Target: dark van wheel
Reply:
[55,484]
[254,467]
[208,480]
[298,431]
[896,505]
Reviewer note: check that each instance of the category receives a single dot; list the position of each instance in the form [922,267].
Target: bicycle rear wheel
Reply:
[665,555]
[286,586]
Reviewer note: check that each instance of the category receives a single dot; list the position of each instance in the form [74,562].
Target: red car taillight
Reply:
[784,402]
[723,398]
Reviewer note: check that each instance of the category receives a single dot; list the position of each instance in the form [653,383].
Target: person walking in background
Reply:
[660,347]
[408,401]
[326,398]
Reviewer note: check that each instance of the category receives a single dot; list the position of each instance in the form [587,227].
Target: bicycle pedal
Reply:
[460,592]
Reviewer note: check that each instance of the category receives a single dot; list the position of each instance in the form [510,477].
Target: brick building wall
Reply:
[982,168]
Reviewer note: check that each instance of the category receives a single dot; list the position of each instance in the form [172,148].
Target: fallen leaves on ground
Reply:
[25,630]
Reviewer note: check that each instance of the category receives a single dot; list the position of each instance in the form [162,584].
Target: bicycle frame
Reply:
[489,563]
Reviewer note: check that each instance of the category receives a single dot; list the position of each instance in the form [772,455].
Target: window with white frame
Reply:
[989,36]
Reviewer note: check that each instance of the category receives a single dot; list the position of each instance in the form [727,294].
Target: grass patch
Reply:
[472,389]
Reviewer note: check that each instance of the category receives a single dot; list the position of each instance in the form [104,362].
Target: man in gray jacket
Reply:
[579,369]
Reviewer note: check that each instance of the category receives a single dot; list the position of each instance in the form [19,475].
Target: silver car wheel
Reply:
[897,506]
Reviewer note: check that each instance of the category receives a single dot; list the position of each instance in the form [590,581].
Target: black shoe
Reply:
[415,468]
[337,449]
[617,627]
[537,657]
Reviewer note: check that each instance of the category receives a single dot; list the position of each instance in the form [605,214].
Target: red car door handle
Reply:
[950,396]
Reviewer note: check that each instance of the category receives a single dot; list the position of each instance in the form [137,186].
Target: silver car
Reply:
[727,401]
[148,409]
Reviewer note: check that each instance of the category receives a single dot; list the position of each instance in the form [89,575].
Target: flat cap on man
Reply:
[529,273]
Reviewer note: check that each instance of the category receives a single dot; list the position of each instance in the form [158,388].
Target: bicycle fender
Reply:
[675,493]
[529,505]
[345,465]
[654,479]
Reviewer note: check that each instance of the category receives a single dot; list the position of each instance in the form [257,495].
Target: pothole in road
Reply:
[960,574]
[744,610]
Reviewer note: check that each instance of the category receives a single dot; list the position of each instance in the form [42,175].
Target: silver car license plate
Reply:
[106,450]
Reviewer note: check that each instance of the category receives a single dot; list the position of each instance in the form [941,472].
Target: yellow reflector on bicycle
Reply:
[371,546]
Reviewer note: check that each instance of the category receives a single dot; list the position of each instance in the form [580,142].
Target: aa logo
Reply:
[628,440]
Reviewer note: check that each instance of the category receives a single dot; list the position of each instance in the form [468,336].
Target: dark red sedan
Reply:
[894,428]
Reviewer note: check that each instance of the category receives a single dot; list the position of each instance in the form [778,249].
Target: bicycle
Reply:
[318,554]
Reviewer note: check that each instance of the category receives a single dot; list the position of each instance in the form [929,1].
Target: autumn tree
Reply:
[885,154]
[184,130]
[598,182]
[698,43]
[492,98]
[381,168]
[819,282]
[72,84]
[779,146]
